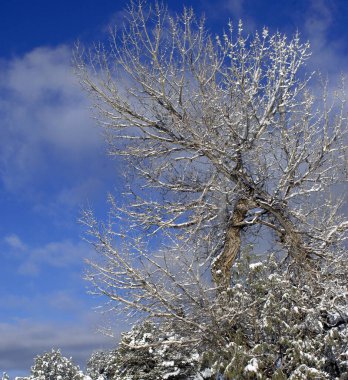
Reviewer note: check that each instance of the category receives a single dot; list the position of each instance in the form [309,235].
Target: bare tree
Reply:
[227,141]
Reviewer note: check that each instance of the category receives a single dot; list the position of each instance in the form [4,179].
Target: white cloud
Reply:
[39,73]
[46,125]
[56,254]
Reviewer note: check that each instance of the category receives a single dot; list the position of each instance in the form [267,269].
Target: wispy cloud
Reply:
[78,192]
[42,88]
[14,242]
[47,306]
[56,254]
[327,54]
[52,156]
[234,6]
[221,9]
[318,20]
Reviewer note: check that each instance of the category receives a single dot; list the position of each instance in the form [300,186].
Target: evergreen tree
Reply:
[53,366]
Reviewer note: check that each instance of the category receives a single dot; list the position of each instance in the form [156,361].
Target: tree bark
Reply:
[221,267]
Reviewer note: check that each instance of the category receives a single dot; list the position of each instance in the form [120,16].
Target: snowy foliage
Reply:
[148,353]
[53,366]
[155,352]
[103,365]
[286,325]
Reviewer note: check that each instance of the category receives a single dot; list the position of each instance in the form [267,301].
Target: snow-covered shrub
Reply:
[285,325]
[149,352]
[53,366]
[102,365]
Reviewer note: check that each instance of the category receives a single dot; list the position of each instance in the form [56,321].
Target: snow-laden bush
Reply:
[53,366]
[150,353]
[147,352]
[102,365]
[285,325]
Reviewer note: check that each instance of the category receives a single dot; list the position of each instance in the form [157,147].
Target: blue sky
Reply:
[53,161]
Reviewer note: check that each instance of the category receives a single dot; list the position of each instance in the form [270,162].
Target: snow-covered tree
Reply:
[151,353]
[147,352]
[227,143]
[226,130]
[283,326]
[53,366]
[102,365]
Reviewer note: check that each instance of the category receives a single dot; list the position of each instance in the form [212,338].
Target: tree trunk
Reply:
[290,238]
[221,267]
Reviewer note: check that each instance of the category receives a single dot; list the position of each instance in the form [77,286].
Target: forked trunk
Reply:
[289,237]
